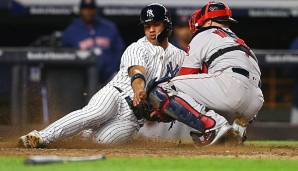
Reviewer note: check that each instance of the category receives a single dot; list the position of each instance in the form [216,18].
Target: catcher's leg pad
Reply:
[179,109]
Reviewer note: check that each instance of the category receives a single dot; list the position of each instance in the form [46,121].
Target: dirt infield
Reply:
[154,148]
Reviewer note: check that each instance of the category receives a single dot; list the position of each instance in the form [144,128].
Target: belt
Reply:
[241,71]
[130,104]
[117,88]
[245,73]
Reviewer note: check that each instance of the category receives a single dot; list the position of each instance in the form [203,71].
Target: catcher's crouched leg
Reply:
[180,107]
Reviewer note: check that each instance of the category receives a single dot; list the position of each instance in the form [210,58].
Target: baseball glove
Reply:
[145,111]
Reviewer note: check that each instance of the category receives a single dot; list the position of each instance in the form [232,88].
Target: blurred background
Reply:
[50,66]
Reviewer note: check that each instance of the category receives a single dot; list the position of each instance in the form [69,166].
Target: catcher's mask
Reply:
[215,11]
[157,12]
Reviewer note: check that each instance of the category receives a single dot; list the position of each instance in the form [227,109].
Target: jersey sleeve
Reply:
[134,55]
[197,52]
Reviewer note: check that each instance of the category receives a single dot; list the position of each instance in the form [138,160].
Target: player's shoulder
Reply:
[136,46]
[176,50]
[206,37]
[216,33]
[74,25]
[141,43]
[144,44]
[207,34]
[105,22]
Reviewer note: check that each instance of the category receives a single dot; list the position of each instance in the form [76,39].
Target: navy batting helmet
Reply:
[157,12]
[88,4]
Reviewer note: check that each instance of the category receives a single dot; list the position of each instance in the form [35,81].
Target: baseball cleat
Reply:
[32,140]
[238,133]
[221,132]
[212,137]
[202,139]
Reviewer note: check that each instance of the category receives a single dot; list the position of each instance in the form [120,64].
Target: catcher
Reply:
[218,90]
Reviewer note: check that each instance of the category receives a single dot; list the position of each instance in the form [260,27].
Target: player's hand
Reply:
[138,84]
[139,95]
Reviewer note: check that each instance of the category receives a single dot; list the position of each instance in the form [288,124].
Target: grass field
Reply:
[144,163]
[272,158]
[273,142]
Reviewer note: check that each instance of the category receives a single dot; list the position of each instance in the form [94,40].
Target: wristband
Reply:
[136,76]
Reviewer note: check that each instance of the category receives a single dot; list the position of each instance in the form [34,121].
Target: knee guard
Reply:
[179,109]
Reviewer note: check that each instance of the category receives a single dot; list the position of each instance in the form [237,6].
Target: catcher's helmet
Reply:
[157,12]
[216,11]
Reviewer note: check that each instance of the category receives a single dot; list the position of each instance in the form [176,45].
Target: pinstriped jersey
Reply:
[153,58]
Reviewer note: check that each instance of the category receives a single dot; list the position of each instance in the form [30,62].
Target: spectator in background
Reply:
[90,32]
[294,44]
[294,113]
[182,34]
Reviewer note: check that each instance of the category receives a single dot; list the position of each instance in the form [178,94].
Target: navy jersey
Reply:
[102,36]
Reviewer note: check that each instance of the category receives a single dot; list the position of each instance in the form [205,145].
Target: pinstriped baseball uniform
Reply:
[107,113]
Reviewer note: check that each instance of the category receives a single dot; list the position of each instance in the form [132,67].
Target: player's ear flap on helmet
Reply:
[193,20]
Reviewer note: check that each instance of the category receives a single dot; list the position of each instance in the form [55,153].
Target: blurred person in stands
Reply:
[294,113]
[101,36]
[182,34]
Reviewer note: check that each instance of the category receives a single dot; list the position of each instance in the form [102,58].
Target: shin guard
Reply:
[179,109]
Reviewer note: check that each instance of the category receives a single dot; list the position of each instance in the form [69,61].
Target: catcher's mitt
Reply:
[145,111]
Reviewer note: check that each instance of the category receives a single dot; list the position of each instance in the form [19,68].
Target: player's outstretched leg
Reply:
[102,107]
[117,131]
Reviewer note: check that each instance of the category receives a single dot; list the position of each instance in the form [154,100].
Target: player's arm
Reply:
[193,62]
[138,83]
[187,70]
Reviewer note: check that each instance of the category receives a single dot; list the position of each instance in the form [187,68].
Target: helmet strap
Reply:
[164,34]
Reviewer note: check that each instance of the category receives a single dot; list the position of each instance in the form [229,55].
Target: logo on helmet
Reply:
[213,8]
[150,13]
